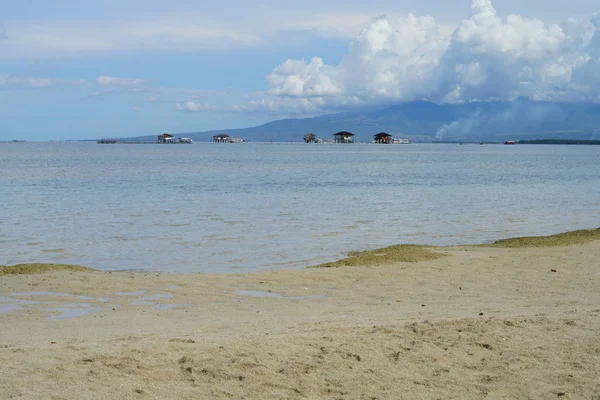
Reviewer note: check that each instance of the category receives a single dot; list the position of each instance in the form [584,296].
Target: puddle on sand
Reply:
[56,294]
[141,303]
[159,296]
[256,293]
[6,299]
[42,294]
[8,308]
[138,293]
[170,306]
[150,300]
[69,311]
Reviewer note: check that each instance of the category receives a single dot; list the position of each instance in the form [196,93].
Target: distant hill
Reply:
[424,121]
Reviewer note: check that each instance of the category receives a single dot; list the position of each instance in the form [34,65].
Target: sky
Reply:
[72,69]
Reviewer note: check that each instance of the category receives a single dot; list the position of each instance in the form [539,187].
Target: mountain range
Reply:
[423,121]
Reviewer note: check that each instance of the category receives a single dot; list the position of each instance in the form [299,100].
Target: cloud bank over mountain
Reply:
[486,58]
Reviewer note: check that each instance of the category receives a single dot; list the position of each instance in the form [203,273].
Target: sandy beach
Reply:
[466,322]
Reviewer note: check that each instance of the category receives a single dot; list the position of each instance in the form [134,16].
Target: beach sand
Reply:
[479,322]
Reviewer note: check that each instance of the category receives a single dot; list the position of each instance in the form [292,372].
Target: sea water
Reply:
[244,207]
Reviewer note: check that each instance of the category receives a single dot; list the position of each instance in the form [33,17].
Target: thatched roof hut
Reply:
[310,138]
[343,137]
[221,137]
[166,138]
[383,138]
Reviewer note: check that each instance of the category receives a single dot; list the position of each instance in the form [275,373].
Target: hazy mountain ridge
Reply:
[425,121]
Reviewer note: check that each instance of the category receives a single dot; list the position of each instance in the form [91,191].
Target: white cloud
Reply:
[152,99]
[190,32]
[103,92]
[410,58]
[122,82]
[337,25]
[328,25]
[15,82]
[302,79]
[195,107]
[179,33]
[199,94]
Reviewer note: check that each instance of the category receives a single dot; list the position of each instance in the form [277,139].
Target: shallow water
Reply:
[166,307]
[256,293]
[14,302]
[56,294]
[234,208]
[136,293]
[8,308]
[75,310]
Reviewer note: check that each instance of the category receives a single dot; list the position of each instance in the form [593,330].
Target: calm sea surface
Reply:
[246,207]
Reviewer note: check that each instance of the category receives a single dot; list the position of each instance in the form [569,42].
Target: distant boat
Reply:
[186,140]
[510,142]
[400,141]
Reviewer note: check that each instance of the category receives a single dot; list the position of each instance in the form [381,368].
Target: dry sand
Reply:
[479,323]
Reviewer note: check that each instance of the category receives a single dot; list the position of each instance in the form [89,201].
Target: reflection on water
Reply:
[208,207]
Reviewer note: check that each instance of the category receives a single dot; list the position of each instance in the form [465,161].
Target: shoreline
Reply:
[498,321]
[378,256]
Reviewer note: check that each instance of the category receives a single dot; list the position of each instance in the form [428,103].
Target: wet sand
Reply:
[478,322]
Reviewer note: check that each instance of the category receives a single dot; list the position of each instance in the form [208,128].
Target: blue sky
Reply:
[77,69]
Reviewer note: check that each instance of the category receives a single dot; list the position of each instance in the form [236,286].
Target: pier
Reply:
[164,138]
[110,141]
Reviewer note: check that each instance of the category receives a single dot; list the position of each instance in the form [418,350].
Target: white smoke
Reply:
[459,129]
[486,58]
[515,117]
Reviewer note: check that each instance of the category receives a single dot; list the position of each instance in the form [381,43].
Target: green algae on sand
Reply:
[26,269]
[562,239]
[387,255]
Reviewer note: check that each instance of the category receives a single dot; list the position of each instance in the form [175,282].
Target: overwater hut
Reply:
[221,138]
[310,138]
[343,137]
[384,138]
[166,138]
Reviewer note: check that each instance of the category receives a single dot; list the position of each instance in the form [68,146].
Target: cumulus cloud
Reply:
[411,58]
[302,79]
[16,82]
[122,82]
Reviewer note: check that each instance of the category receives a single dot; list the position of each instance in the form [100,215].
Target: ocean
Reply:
[233,208]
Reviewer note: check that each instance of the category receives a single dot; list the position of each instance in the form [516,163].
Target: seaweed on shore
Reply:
[561,239]
[27,269]
[387,255]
